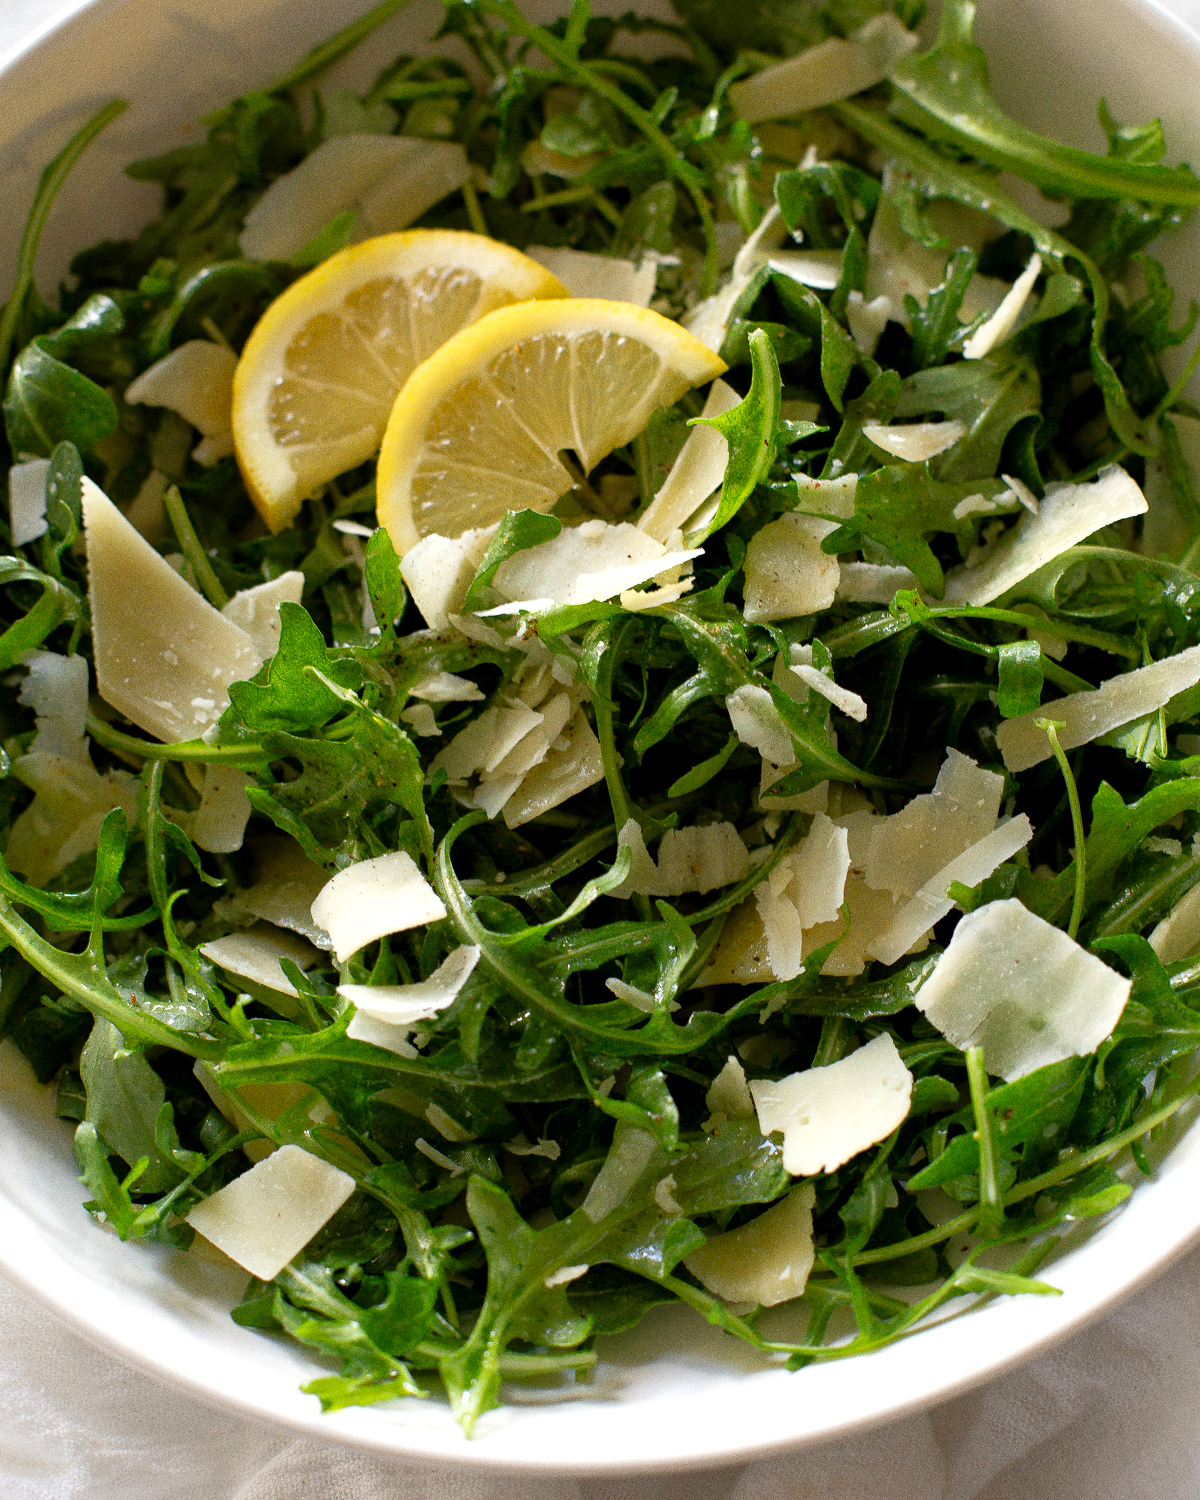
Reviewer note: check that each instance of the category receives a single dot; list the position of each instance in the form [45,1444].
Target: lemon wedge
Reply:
[320,372]
[479,427]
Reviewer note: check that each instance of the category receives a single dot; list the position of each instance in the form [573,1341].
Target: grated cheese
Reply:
[1022,990]
[373,898]
[830,1114]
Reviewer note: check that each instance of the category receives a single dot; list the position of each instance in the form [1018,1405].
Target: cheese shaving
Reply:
[57,691]
[440,569]
[696,859]
[873,583]
[756,722]
[1091,714]
[766,1261]
[373,898]
[406,1004]
[834,69]
[195,380]
[27,501]
[830,1114]
[224,810]
[256,610]
[696,473]
[63,821]
[1022,990]
[585,274]
[1004,320]
[255,955]
[787,574]
[627,1159]
[265,1217]
[916,441]
[728,1095]
[1178,936]
[590,562]
[287,884]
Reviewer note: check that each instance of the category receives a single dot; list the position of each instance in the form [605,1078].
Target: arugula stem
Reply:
[52,179]
[189,544]
[195,751]
[991,1208]
[1052,726]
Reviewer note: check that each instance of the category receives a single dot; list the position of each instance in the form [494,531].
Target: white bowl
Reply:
[673,1393]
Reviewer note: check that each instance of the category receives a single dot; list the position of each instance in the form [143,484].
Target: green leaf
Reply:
[290,697]
[936,326]
[1020,685]
[752,430]
[700,775]
[47,403]
[519,530]
[385,586]
[124,1097]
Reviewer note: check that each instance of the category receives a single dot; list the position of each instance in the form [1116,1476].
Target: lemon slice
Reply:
[320,372]
[479,427]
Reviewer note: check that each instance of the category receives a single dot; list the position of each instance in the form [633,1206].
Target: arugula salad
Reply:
[601,693]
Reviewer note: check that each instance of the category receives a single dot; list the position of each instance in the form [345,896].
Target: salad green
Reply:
[946,416]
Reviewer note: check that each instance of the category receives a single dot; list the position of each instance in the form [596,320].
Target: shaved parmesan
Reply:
[585,563]
[255,955]
[27,501]
[445,687]
[1067,514]
[820,269]
[709,320]
[873,583]
[729,1096]
[63,821]
[265,1217]
[832,70]
[57,691]
[841,698]
[406,1004]
[827,497]
[696,473]
[910,847]
[585,274]
[756,722]
[1088,715]
[287,885]
[916,441]
[421,717]
[867,320]
[689,859]
[627,1159]
[195,380]
[224,810]
[1022,990]
[787,574]
[804,890]
[1004,320]
[440,569]
[166,666]
[931,903]
[766,1261]
[373,898]
[1178,936]
[830,1114]
[256,610]
[387,181]
[364,1028]
[519,1146]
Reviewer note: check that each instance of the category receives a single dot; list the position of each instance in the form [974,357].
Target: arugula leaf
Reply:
[518,530]
[752,430]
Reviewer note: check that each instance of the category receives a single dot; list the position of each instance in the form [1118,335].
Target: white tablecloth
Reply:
[1113,1412]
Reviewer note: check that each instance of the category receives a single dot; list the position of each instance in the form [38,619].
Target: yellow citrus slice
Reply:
[321,370]
[479,427]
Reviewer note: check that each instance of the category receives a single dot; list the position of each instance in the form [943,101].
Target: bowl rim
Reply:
[22,1247]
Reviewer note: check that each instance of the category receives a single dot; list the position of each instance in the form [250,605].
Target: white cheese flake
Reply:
[1066,516]
[766,1261]
[286,885]
[364,1028]
[387,181]
[586,563]
[1178,935]
[787,574]
[255,954]
[842,698]
[1004,320]
[265,1217]
[158,664]
[57,691]
[224,810]
[372,899]
[757,722]
[1091,714]
[627,1159]
[833,69]
[728,1094]
[440,569]
[830,1114]
[256,610]
[585,274]
[71,801]
[564,1275]
[195,380]
[445,687]
[27,501]
[873,583]
[406,1004]
[1022,990]
[697,472]
[916,441]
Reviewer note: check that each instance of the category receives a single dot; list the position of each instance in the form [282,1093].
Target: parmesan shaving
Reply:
[834,69]
[265,1217]
[27,501]
[830,1114]
[842,698]
[71,801]
[1004,320]
[696,859]
[388,181]
[57,691]
[756,722]
[787,574]
[445,687]
[519,1146]
[915,442]
[195,380]
[873,583]
[819,269]
[766,1261]
[255,955]
[373,898]
[931,903]
[1067,514]
[440,569]
[585,274]
[224,810]
[1088,715]
[167,667]
[827,497]
[364,1028]
[627,1159]
[406,1004]
[1022,990]
[696,473]
[563,773]
[586,563]
[287,884]
[256,610]
[1178,936]
[728,1095]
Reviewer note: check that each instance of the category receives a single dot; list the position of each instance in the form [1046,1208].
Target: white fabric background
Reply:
[1113,1412]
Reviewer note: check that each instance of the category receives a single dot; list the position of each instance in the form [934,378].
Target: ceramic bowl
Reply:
[672,1393]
